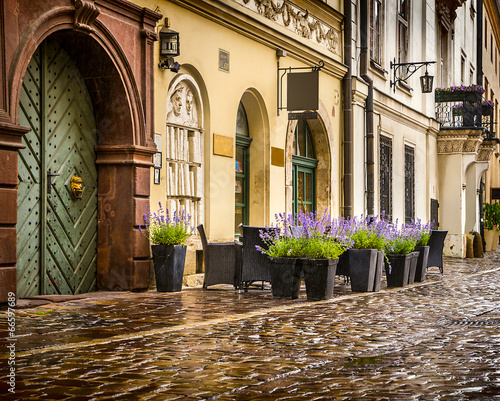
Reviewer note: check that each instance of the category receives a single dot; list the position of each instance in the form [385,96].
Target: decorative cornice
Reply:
[485,151]
[459,141]
[447,12]
[150,35]
[85,15]
[468,141]
[125,154]
[297,20]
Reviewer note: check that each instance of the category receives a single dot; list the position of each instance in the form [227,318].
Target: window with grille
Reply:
[386,177]
[409,184]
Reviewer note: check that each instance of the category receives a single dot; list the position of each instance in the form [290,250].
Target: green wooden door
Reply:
[57,232]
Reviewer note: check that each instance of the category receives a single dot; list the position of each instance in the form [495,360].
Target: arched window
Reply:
[242,167]
[304,170]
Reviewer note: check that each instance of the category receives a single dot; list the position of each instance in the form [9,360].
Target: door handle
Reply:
[49,181]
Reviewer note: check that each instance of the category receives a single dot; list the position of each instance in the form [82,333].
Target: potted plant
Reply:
[401,261]
[283,250]
[364,259]
[168,233]
[422,248]
[321,248]
[491,216]
[471,93]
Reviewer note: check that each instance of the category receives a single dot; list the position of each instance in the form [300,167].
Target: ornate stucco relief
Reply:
[485,151]
[465,141]
[297,20]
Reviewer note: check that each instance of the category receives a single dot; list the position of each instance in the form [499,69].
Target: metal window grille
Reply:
[386,177]
[409,184]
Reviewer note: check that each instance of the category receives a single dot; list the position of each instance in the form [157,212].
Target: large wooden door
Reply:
[57,231]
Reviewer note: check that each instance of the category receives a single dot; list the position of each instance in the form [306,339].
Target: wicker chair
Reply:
[436,243]
[255,265]
[222,261]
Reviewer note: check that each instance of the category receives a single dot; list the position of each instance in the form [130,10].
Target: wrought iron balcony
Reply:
[466,113]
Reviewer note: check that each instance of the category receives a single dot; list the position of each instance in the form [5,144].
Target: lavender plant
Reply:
[304,235]
[424,230]
[165,228]
[366,232]
[401,240]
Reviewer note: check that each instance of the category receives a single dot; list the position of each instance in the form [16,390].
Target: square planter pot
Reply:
[398,272]
[378,272]
[423,257]
[169,266]
[319,276]
[363,269]
[285,277]
[413,267]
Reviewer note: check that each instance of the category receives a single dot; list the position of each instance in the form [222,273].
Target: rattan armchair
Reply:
[222,261]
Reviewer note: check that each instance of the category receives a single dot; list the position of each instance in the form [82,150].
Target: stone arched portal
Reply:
[322,137]
[112,45]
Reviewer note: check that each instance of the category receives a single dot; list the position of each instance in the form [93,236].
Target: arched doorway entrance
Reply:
[57,193]
[311,180]
[242,170]
[111,44]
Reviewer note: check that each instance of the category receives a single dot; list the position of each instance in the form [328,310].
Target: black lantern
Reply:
[426,82]
[408,69]
[169,43]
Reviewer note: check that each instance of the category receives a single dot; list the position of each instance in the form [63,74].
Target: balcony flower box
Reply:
[472,94]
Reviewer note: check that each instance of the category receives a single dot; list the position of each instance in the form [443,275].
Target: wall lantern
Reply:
[408,70]
[169,48]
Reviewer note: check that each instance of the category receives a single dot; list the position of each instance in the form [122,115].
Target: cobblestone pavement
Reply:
[437,340]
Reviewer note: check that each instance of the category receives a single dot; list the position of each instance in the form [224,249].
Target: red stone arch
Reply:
[112,44]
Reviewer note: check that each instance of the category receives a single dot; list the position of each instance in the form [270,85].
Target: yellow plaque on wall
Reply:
[277,157]
[223,146]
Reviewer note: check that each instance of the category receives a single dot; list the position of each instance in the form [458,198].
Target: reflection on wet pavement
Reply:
[439,340]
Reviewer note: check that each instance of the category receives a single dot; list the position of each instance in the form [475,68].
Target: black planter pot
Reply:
[423,258]
[319,276]
[285,277]
[363,269]
[413,267]
[378,272]
[169,266]
[399,270]
[343,265]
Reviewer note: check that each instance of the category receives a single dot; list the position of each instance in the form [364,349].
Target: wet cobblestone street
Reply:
[437,340]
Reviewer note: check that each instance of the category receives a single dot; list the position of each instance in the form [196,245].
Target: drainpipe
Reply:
[347,95]
[479,43]
[479,81]
[364,60]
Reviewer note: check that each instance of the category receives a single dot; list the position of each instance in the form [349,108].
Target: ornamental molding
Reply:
[150,35]
[447,12]
[485,151]
[85,15]
[462,141]
[297,20]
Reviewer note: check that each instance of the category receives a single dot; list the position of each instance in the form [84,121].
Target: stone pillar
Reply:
[123,196]
[462,158]
[10,142]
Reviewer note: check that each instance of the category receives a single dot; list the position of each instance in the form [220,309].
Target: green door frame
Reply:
[305,163]
[307,166]
[243,142]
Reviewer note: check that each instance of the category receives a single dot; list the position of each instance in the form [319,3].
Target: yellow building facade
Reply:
[229,153]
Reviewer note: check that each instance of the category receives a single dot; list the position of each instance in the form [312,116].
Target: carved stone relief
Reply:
[446,12]
[297,20]
[465,141]
[485,151]
[182,106]
[85,15]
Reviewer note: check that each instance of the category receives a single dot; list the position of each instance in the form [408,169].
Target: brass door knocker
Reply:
[77,187]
